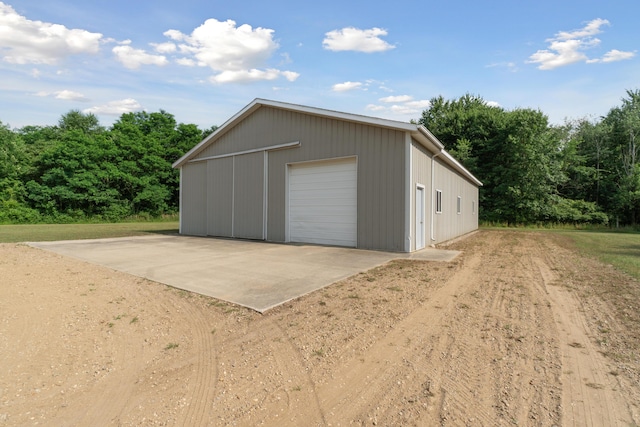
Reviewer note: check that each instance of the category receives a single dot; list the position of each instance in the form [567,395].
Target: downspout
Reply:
[433,194]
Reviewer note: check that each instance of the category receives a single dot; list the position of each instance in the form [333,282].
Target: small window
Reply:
[438,201]
[459,207]
[473,207]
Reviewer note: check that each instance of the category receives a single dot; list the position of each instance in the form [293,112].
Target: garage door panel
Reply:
[323,203]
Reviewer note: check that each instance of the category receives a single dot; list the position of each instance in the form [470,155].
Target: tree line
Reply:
[78,170]
[584,171]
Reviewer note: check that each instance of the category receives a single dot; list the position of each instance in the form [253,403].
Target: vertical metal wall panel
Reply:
[220,197]
[449,223]
[421,174]
[381,169]
[194,196]
[248,196]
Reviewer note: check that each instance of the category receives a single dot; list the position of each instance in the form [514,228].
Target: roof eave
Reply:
[433,144]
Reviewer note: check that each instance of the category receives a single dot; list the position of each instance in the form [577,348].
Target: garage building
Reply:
[289,173]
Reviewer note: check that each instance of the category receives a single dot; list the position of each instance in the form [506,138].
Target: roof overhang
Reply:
[417,132]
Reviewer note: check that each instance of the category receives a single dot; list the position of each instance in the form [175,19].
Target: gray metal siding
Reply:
[449,223]
[193,199]
[248,198]
[220,197]
[381,169]
[382,178]
[420,174]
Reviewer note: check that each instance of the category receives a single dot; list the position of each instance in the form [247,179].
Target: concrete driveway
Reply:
[257,275]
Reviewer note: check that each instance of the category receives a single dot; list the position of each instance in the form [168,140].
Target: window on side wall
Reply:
[473,207]
[459,207]
[438,201]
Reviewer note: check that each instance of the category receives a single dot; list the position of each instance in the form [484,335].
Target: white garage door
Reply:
[323,202]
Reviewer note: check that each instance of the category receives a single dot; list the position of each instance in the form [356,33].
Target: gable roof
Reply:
[417,132]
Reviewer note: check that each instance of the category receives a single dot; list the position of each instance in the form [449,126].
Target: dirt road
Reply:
[519,329]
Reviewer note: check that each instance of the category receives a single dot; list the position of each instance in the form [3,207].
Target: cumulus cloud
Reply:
[617,55]
[568,47]
[403,106]
[35,42]
[398,98]
[115,108]
[66,95]
[346,86]
[358,40]
[253,75]
[167,47]
[374,107]
[133,58]
[235,53]
[421,104]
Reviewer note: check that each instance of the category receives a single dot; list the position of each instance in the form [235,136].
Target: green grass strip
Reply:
[622,250]
[51,232]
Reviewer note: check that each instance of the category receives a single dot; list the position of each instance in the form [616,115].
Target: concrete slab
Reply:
[258,275]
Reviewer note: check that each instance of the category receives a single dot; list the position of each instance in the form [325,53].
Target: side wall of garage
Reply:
[420,178]
[381,171]
[459,204]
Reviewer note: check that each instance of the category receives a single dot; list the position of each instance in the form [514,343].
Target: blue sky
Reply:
[203,61]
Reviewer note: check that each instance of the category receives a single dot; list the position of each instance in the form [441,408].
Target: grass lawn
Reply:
[49,232]
[622,250]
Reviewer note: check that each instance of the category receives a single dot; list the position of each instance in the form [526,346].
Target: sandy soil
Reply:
[519,329]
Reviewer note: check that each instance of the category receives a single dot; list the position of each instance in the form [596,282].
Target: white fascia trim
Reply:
[255,150]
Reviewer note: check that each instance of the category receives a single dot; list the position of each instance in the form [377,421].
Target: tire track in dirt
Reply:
[205,378]
[359,383]
[590,396]
[299,407]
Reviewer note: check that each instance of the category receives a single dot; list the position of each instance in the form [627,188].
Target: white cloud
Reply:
[66,95]
[397,98]
[405,110]
[187,62]
[35,42]
[421,104]
[374,107]
[346,86]
[355,39]
[493,104]
[237,54]
[71,96]
[253,75]
[617,55]
[591,29]
[404,107]
[133,58]
[115,108]
[166,47]
[567,47]
[510,66]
